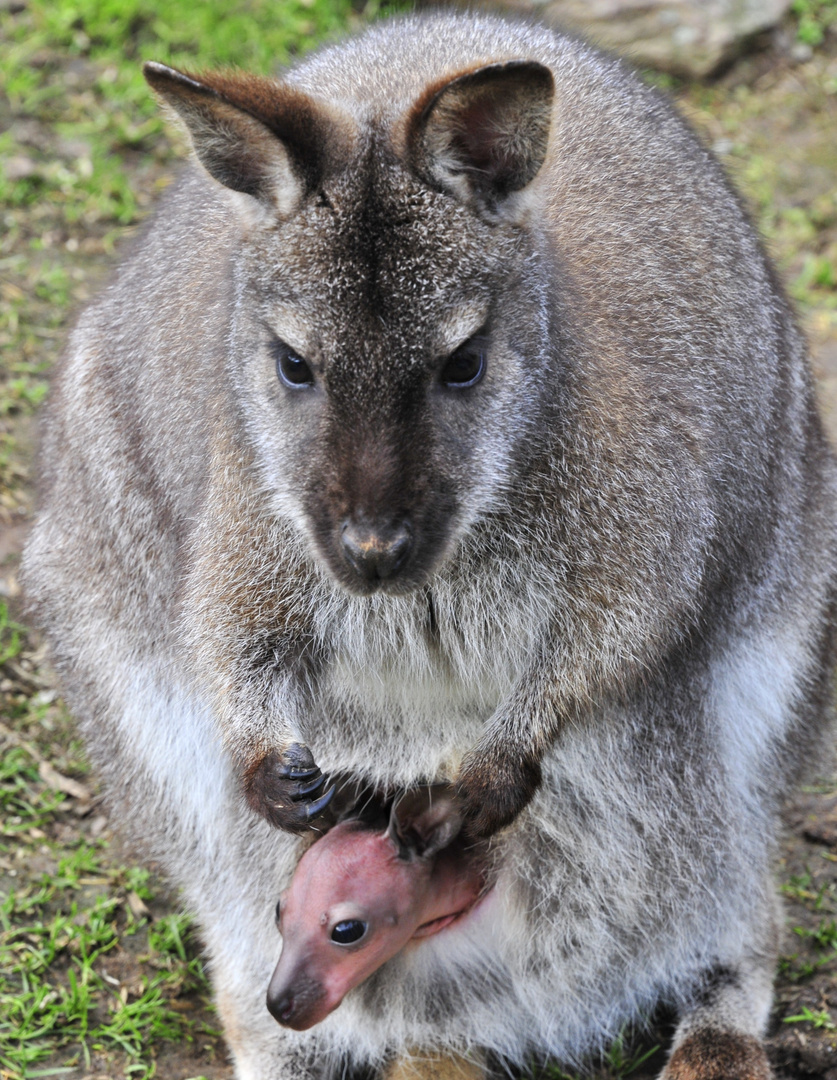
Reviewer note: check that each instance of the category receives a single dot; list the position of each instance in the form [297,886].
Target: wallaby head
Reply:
[377,254]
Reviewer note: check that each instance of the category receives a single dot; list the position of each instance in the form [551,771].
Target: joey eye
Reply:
[466,366]
[292,370]
[348,931]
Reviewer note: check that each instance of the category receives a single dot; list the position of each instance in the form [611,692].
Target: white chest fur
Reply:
[414,678]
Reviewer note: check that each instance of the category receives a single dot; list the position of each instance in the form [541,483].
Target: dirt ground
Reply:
[792,113]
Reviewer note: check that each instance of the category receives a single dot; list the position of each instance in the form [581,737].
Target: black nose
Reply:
[376,553]
[294,999]
[282,1007]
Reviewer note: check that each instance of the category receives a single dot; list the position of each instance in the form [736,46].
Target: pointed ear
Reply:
[424,821]
[255,135]
[483,135]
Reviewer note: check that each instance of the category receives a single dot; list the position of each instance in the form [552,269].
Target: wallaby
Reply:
[448,425]
[361,894]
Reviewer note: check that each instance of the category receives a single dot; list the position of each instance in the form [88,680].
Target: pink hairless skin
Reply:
[360,894]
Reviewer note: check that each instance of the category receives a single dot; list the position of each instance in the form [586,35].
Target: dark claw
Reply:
[296,763]
[309,789]
[300,774]
[280,787]
[314,809]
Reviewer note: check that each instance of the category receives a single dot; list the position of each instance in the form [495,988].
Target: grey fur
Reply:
[632,580]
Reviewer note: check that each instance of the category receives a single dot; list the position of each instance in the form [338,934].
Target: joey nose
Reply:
[376,554]
[281,1007]
[297,1002]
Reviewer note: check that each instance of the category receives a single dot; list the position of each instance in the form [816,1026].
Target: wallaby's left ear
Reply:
[424,821]
[483,135]
[255,135]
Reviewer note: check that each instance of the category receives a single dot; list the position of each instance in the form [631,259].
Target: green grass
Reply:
[817,933]
[629,1051]
[821,1019]
[56,993]
[10,631]
[801,887]
[626,1055]
[108,111]
[62,928]
[814,18]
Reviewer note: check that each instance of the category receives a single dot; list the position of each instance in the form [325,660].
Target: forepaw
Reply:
[288,789]
[493,788]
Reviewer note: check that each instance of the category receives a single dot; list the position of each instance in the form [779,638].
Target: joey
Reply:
[359,896]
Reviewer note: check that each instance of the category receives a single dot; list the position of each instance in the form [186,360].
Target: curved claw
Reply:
[299,774]
[297,763]
[314,809]
[282,786]
[304,791]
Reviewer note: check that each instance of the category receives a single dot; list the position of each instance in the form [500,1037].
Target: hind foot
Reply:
[710,1054]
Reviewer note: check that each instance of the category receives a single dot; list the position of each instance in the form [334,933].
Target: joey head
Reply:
[360,894]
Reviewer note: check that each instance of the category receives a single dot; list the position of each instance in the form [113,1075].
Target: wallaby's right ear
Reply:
[483,135]
[256,135]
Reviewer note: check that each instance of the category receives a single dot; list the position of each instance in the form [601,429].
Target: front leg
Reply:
[287,789]
[495,783]
[500,775]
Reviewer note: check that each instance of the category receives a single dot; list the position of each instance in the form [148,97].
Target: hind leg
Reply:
[719,1035]
[712,1054]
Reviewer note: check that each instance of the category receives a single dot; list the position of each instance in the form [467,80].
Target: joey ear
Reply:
[256,135]
[483,135]
[424,821]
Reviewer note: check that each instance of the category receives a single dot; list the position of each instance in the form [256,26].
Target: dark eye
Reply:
[466,366]
[348,932]
[278,910]
[291,369]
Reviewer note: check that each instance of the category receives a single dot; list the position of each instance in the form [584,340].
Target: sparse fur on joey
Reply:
[447,425]
[365,891]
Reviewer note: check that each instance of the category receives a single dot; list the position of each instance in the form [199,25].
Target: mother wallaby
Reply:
[448,424]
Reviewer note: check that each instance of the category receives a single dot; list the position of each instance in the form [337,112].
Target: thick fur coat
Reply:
[612,627]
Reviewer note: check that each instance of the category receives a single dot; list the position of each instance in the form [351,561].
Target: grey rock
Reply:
[686,37]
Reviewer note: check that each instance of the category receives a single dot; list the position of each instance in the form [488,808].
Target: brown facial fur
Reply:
[382,442]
